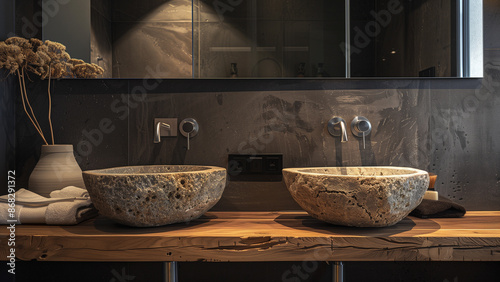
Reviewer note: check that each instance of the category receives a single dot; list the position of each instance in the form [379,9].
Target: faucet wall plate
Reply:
[193,130]
[360,125]
[165,132]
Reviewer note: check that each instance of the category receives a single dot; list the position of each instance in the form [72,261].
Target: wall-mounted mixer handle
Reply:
[361,127]
[189,127]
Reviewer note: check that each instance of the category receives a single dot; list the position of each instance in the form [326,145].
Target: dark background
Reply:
[446,126]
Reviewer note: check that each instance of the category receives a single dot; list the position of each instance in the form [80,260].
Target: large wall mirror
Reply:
[272,38]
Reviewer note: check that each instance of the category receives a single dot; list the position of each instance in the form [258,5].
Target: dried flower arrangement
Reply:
[49,60]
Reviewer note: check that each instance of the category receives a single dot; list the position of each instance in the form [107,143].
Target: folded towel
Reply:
[27,198]
[70,191]
[64,213]
[73,208]
[443,207]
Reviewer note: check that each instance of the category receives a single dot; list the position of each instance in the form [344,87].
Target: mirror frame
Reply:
[471,53]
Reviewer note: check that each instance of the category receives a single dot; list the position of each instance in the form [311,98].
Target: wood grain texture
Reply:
[263,236]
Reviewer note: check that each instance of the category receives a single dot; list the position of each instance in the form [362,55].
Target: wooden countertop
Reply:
[262,236]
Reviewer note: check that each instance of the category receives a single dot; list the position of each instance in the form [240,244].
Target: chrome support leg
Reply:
[170,271]
[338,271]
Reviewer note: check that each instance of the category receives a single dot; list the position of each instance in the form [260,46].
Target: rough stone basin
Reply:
[357,196]
[145,196]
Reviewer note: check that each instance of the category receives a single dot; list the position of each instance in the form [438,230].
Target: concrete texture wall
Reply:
[426,124]
[152,38]
[465,145]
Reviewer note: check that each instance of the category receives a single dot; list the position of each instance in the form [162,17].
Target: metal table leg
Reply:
[338,271]
[170,271]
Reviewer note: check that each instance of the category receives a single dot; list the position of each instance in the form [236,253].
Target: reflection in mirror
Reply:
[269,38]
[138,39]
[273,38]
[406,38]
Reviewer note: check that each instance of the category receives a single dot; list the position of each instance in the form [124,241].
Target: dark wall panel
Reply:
[7,101]
[7,20]
[292,123]
[417,123]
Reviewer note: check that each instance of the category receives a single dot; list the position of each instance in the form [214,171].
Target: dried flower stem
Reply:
[22,87]
[44,59]
[50,110]
[31,109]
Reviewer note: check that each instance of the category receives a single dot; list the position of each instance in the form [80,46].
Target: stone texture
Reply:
[357,196]
[145,196]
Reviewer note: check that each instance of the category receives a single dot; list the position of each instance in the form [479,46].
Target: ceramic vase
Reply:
[56,169]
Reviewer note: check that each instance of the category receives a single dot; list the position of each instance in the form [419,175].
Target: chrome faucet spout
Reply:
[159,125]
[343,126]
[337,127]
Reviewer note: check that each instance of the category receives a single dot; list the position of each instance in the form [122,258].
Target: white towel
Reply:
[70,191]
[30,207]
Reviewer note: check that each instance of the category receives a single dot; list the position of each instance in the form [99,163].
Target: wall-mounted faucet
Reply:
[337,127]
[361,127]
[159,125]
[164,127]
[189,127]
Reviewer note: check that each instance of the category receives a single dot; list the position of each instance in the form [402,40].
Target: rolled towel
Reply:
[70,191]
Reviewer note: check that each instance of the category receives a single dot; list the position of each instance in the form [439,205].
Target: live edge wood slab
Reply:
[262,236]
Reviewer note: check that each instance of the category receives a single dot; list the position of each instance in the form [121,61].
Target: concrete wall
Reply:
[152,38]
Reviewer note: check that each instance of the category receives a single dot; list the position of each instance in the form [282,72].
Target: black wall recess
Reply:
[255,167]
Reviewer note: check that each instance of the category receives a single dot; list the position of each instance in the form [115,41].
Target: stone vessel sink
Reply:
[357,196]
[146,196]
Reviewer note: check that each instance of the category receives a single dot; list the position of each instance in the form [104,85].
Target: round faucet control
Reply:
[361,127]
[188,126]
